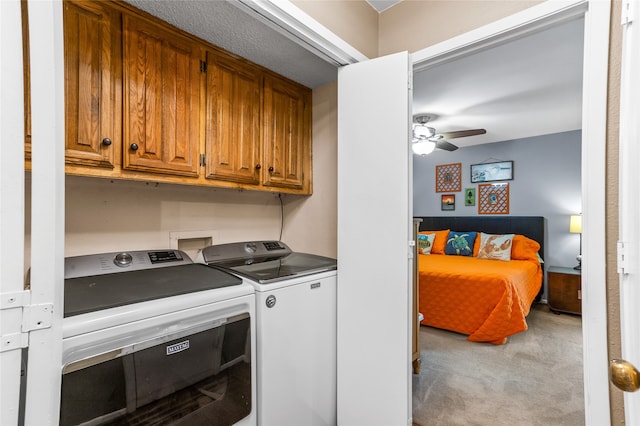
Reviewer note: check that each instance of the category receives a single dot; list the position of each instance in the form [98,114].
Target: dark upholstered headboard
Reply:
[529,226]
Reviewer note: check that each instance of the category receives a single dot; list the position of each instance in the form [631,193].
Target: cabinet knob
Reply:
[134,146]
[258,166]
[106,141]
[270,169]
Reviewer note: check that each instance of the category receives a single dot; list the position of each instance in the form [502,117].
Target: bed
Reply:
[473,290]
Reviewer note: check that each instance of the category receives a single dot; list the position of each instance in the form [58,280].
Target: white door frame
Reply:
[594,309]
[39,310]
[629,202]
[11,208]
[36,314]
[46,48]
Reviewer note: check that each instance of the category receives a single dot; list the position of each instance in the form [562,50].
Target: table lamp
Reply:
[575,227]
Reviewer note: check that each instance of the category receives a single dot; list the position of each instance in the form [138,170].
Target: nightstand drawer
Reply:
[565,290]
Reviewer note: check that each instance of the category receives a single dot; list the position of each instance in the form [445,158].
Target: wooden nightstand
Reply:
[565,290]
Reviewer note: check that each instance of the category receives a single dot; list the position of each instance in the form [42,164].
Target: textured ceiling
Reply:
[224,24]
[528,87]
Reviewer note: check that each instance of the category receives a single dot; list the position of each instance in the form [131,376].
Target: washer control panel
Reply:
[109,263]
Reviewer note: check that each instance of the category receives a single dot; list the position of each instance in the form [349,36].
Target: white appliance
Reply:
[149,337]
[296,329]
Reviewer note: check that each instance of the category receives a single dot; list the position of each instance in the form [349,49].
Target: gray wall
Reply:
[546,183]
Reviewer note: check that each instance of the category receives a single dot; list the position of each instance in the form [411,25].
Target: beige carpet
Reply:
[536,378]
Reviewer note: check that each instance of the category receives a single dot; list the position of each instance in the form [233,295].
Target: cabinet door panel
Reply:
[233,120]
[90,83]
[286,134]
[161,98]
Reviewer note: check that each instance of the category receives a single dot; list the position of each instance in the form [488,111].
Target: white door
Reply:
[630,203]
[374,228]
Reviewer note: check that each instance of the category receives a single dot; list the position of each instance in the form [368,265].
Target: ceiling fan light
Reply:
[421,131]
[423,147]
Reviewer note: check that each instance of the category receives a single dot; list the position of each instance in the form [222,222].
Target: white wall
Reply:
[311,222]
[546,183]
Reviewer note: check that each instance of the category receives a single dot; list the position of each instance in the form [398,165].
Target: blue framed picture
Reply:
[491,172]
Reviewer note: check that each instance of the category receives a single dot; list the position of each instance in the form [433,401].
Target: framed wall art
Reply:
[493,198]
[448,201]
[470,197]
[449,177]
[491,172]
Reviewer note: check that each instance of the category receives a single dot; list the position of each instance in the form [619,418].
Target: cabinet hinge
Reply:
[629,9]
[203,66]
[203,160]
[34,317]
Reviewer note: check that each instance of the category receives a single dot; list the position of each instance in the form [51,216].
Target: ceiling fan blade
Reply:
[447,146]
[463,133]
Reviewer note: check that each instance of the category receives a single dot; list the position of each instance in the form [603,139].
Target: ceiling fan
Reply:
[425,139]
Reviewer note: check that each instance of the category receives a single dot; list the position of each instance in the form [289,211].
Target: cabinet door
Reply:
[161,99]
[233,120]
[287,135]
[90,75]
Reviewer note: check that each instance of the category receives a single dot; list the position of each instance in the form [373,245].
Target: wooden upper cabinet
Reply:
[91,52]
[162,80]
[233,125]
[287,134]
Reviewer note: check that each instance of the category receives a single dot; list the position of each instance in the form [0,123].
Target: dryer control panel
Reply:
[244,250]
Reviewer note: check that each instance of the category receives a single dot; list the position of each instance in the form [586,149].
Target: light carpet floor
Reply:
[536,378]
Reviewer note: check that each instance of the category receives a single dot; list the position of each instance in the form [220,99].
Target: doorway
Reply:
[593,124]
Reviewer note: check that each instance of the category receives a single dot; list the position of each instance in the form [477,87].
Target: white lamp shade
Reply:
[423,147]
[422,132]
[575,225]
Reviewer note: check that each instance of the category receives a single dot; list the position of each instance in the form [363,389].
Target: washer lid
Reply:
[96,292]
[267,270]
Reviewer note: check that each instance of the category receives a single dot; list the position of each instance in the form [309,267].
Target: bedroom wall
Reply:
[547,182]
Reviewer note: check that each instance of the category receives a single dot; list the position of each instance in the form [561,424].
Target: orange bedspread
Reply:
[485,299]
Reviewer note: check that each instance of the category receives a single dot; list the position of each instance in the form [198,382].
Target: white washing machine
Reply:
[296,329]
[149,337]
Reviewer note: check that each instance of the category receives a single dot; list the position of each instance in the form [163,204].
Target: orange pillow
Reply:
[476,246]
[440,241]
[524,248]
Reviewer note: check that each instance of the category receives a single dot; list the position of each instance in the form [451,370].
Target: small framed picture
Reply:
[493,198]
[491,172]
[449,177]
[448,201]
[470,197]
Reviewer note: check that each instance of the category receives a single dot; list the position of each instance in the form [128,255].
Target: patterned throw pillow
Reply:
[496,247]
[440,241]
[460,243]
[425,242]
